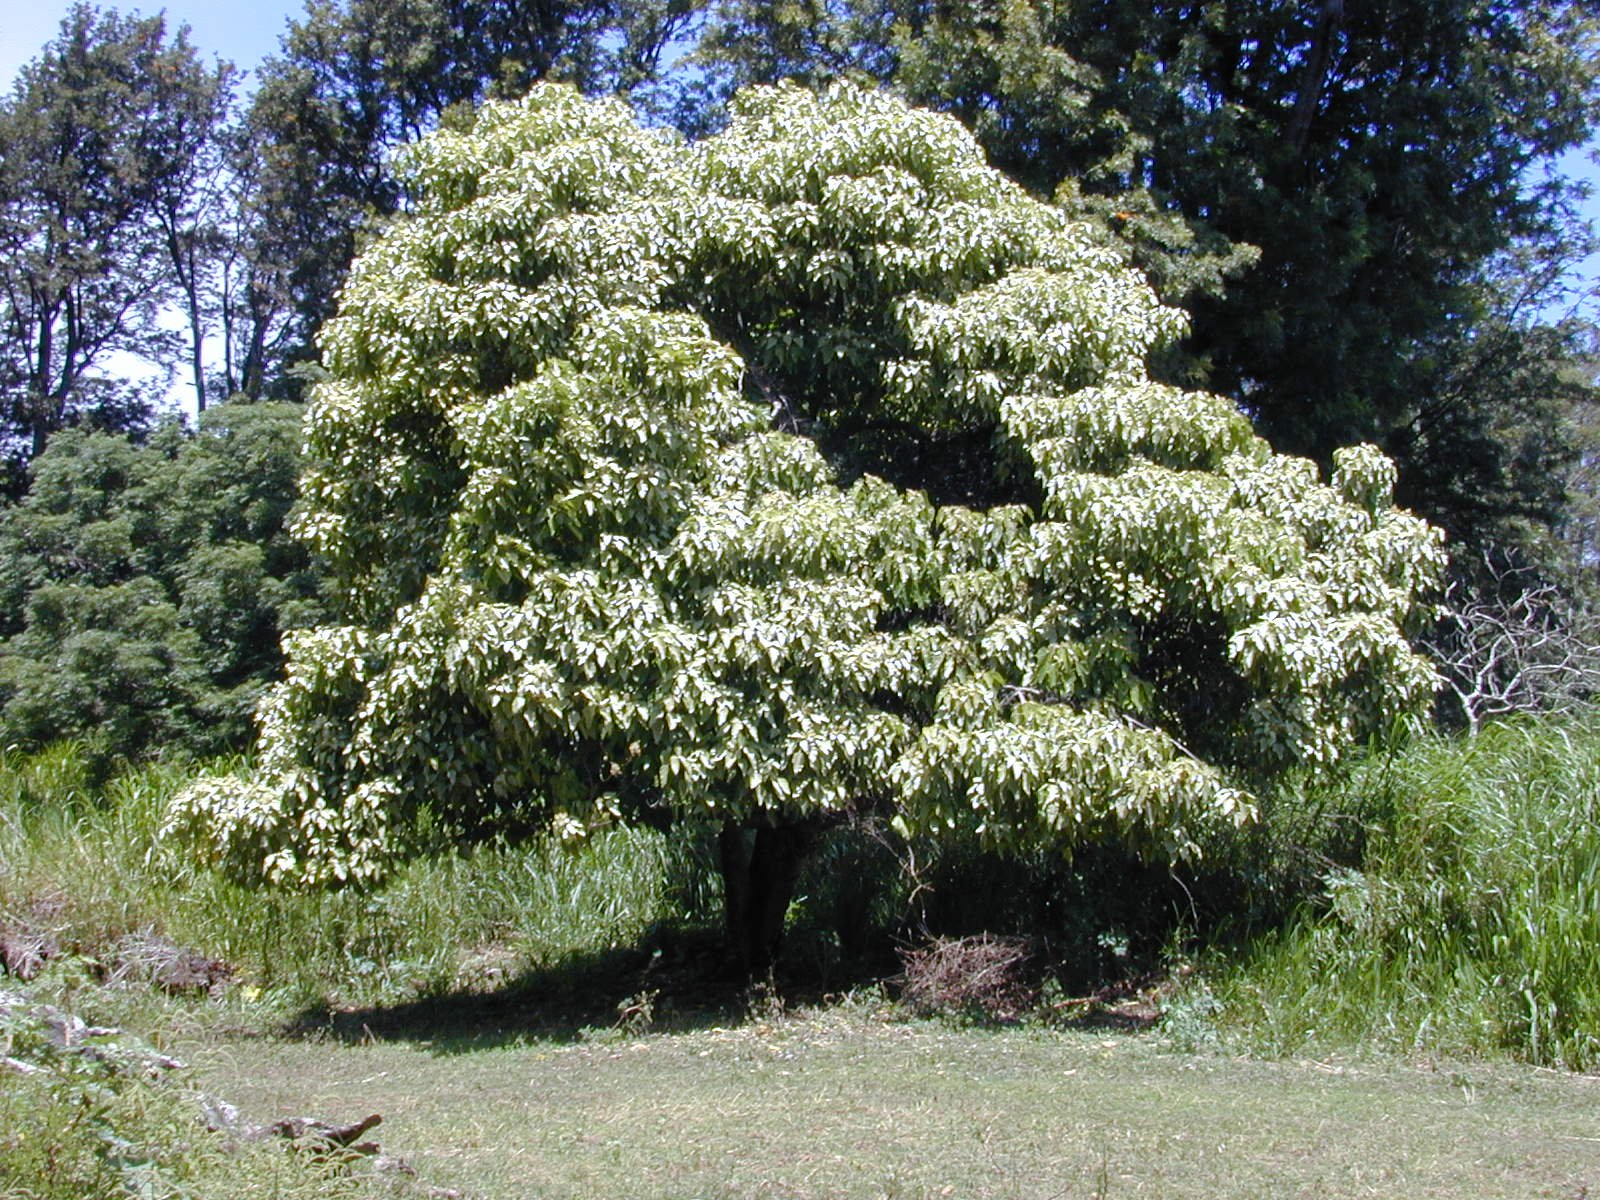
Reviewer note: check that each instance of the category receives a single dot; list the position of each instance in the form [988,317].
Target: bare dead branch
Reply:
[1505,648]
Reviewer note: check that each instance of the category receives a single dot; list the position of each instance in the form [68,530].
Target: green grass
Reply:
[88,1113]
[89,865]
[1472,925]
[59,1142]
[847,1102]
[85,863]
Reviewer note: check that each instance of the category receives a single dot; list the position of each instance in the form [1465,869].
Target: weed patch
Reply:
[1469,927]
[85,873]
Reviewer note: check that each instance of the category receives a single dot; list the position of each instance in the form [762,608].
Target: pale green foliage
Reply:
[593,572]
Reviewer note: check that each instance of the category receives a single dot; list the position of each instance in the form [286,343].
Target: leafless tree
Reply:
[1506,646]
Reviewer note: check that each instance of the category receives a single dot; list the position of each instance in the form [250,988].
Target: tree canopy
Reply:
[357,79]
[1361,207]
[629,472]
[101,142]
[143,588]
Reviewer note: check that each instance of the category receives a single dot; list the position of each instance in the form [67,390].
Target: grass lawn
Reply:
[844,1103]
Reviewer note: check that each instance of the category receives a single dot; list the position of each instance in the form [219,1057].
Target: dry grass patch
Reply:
[848,1103]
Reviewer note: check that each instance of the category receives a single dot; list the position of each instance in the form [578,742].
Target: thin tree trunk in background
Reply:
[197,349]
[1315,76]
[183,255]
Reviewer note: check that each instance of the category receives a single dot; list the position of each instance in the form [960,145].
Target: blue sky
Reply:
[241,31]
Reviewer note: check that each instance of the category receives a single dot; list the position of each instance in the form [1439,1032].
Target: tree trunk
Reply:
[733,857]
[1314,75]
[184,256]
[760,868]
[197,341]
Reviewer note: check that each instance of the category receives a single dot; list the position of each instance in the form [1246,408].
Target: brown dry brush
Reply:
[988,976]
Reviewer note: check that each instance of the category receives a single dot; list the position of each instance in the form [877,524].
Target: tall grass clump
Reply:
[90,867]
[1472,924]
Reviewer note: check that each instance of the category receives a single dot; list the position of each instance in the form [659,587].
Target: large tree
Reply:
[606,472]
[192,200]
[102,144]
[250,291]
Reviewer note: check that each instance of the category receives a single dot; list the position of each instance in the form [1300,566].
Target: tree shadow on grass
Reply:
[677,983]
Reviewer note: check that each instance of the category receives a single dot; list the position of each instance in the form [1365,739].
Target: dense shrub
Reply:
[143,588]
